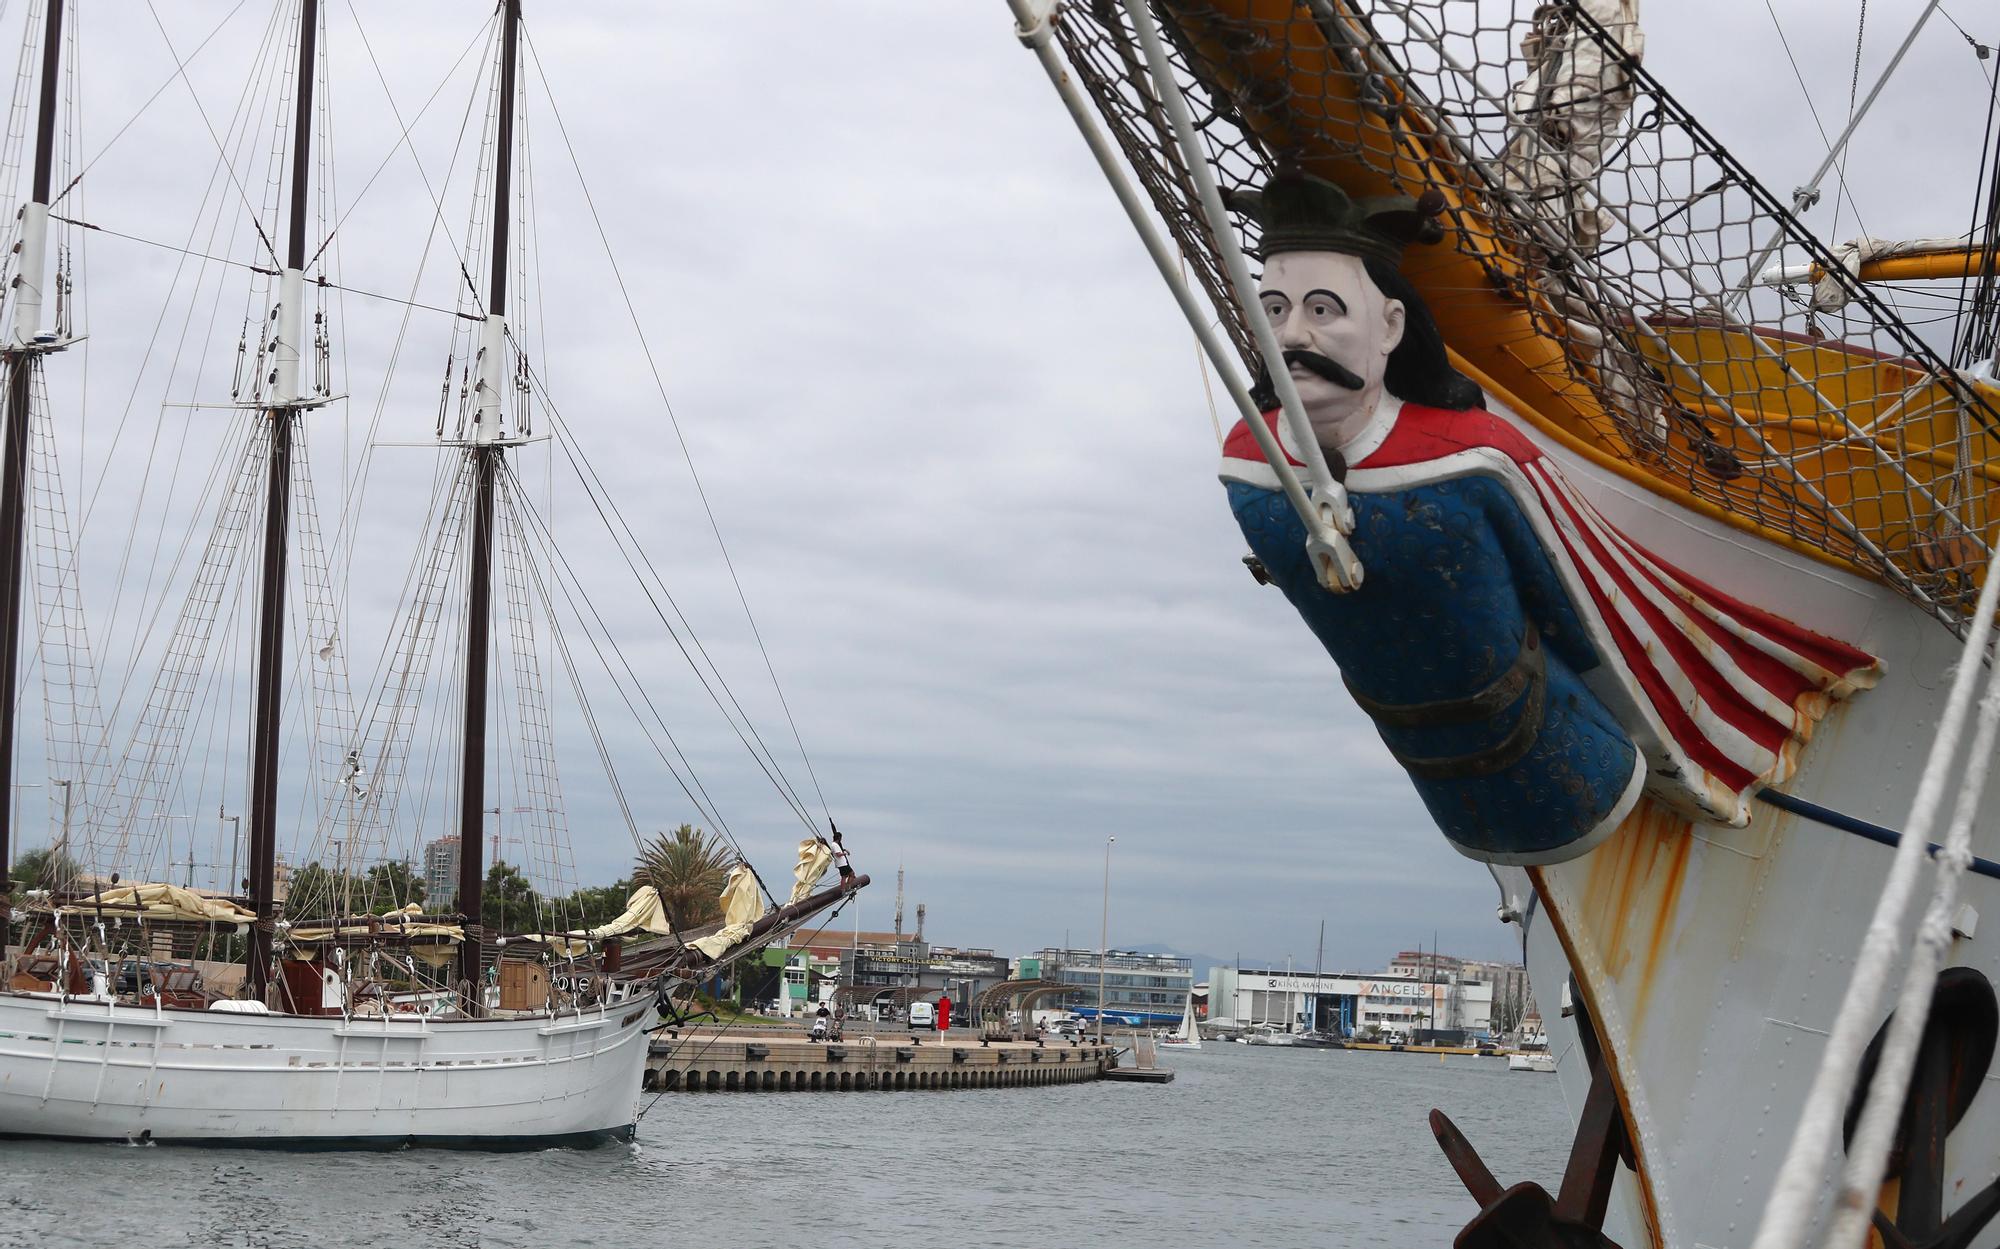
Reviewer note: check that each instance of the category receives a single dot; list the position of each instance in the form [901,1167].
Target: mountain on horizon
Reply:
[1202,962]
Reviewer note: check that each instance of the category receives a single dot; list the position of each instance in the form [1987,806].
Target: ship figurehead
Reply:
[1535,670]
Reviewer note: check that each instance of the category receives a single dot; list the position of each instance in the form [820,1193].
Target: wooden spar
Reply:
[1961,262]
[479,589]
[14,465]
[503,161]
[472,762]
[267,709]
[1943,260]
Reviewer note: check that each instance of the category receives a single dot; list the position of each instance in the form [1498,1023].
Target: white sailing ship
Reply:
[362,1019]
[85,1069]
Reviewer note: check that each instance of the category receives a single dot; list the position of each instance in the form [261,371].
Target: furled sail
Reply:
[741,907]
[160,901]
[405,921]
[1567,109]
[815,856]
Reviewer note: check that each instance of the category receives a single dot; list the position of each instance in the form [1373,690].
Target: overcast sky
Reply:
[948,419]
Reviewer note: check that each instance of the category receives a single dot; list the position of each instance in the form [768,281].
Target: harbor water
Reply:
[1249,1147]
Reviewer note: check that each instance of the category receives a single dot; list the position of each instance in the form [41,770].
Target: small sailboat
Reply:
[1533,1056]
[1188,1035]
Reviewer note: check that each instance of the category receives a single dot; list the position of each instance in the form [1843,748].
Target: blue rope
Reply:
[1860,828]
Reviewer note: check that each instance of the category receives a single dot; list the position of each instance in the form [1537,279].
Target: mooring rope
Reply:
[658,1093]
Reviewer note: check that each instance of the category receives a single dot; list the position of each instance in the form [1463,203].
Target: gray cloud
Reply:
[951,425]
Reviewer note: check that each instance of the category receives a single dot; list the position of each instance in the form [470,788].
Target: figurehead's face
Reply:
[1336,328]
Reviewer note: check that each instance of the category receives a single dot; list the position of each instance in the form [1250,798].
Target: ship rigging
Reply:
[383,1016]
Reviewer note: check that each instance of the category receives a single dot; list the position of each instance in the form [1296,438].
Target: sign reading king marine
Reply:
[1532,668]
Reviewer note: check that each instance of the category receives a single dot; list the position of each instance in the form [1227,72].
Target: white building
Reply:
[1400,1000]
[441,874]
[1513,998]
[1139,989]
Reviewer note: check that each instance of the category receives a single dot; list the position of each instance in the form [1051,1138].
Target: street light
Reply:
[1104,939]
[63,842]
[236,885]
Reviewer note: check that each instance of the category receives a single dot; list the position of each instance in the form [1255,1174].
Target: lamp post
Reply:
[63,842]
[236,884]
[1104,938]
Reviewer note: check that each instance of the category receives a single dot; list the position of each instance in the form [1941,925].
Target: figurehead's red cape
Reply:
[1721,695]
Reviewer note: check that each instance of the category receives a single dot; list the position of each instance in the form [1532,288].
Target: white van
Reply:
[923,1015]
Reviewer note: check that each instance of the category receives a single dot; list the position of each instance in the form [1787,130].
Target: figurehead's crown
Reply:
[1299,212]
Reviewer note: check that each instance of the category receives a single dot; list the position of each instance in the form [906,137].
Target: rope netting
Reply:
[149,772]
[73,735]
[531,774]
[1607,265]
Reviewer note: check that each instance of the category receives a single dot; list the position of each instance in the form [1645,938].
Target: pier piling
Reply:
[706,1060]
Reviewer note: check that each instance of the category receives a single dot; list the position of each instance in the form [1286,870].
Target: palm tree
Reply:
[687,868]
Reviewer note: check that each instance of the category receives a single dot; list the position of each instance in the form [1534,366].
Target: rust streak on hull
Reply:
[1631,890]
[1614,1057]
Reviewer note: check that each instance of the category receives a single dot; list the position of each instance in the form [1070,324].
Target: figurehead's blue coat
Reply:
[1532,668]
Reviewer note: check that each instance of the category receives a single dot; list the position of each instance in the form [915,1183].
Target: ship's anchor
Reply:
[1525,1216]
[1952,1061]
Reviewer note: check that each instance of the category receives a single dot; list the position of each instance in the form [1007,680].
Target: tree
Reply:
[316,891]
[508,903]
[46,868]
[391,886]
[687,867]
[592,906]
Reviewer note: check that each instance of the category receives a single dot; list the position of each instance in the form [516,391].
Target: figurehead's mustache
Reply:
[1332,370]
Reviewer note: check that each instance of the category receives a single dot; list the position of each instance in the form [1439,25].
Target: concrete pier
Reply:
[732,1061]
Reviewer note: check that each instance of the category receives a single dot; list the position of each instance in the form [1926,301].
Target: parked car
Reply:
[923,1015]
[133,973]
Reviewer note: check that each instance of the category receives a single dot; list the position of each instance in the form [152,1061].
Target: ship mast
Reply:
[22,355]
[283,404]
[485,450]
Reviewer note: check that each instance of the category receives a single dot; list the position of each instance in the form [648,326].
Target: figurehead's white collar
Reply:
[1364,444]
[1376,431]
[1243,463]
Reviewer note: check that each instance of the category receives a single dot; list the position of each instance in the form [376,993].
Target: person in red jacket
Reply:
[944,1013]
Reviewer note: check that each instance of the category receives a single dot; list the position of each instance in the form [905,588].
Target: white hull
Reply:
[1713,959]
[93,1071]
[1541,1064]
